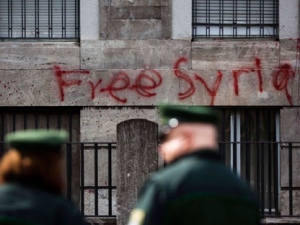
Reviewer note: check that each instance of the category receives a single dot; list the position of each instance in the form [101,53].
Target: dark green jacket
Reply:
[196,189]
[26,205]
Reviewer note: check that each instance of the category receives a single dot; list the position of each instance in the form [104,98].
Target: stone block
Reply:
[247,87]
[105,2]
[104,21]
[166,16]
[289,72]
[36,56]
[119,3]
[281,221]
[89,202]
[26,87]
[285,163]
[135,19]
[135,12]
[100,124]
[138,87]
[289,51]
[291,83]
[89,88]
[284,200]
[224,55]
[135,29]
[137,158]
[166,2]
[290,123]
[133,54]
[101,220]
[103,171]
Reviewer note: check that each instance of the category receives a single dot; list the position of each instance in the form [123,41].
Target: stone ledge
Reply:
[279,221]
[101,220]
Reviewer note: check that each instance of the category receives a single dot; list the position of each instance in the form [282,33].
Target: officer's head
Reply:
[34,158]
[186,129]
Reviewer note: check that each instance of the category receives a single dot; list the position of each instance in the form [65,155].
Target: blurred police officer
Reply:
[195,188]
[32,181]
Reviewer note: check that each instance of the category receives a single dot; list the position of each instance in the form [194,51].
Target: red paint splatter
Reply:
[246,70]
[179,73]
[94,87]
[144,89]
[281,79]
[59,73]
[119,82]
[212,92]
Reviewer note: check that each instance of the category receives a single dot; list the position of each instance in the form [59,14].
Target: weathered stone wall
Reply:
[136,54]
[143,19]
[147,72]
[290,126]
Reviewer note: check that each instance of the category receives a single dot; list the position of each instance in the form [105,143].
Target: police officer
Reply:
[195,187]
[32,181]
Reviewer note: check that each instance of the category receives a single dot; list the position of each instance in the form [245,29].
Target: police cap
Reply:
[172,115]
[36,139]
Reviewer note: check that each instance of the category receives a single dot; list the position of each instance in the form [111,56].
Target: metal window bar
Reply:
[264,155]
[288,148]
[110,186]
[290,180]
[69,171]
[235,18]
[39,19]
[91,193]
[82,174]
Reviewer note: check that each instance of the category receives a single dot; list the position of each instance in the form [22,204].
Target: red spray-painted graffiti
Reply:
[119,82]
[146,82]
[59,73]
[237,73]
[178,73]
[143,85]
[143,89]
[212,92]
[94,87]
[281,78]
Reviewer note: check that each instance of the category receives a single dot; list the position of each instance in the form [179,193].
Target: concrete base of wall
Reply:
[101,221]
[269,221]
[281,221]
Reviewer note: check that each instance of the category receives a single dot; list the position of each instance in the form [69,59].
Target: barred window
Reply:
[235,18]
[39,19]
[249,144]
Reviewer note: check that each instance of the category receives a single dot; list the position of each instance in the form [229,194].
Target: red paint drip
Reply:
[259,75]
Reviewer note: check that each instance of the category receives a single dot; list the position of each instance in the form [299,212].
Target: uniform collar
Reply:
[208,154]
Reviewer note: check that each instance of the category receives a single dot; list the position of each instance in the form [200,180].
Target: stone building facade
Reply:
[133,55]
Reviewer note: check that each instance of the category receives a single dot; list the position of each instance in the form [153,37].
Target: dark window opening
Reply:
[235,18]
[39,19]
[249,144]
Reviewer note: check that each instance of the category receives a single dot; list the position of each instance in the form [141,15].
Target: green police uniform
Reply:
[28,205]
[28,202]
[196,188]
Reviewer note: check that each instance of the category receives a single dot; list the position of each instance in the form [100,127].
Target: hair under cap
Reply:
[36,139]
